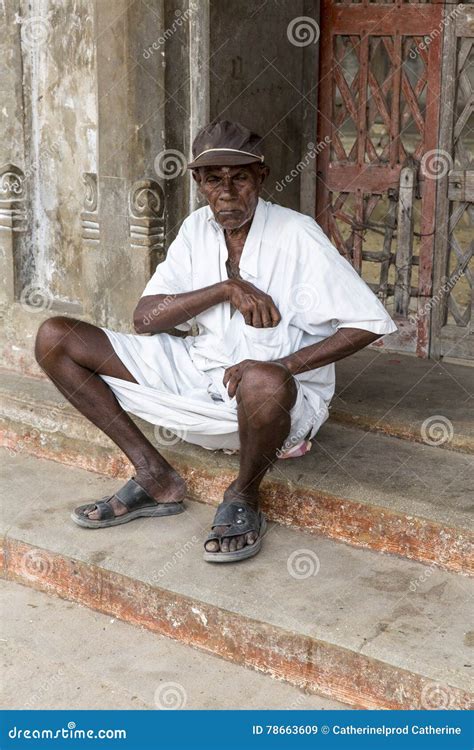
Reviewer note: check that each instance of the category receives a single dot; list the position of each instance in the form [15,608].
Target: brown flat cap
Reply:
[225,143]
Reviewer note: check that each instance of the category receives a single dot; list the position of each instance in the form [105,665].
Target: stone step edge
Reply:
[312,665]
[365,526]
[363,422]
[400,430]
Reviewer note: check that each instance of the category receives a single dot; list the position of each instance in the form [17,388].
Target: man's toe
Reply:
[225,544]
[230,544]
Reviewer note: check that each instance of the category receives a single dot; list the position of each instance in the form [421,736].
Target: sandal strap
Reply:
[240,518]
[134,497]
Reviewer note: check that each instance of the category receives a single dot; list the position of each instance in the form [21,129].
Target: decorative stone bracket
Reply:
[146,205]
[12,222]
[12,198]
[90,216]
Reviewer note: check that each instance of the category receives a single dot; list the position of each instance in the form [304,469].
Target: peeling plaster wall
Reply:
[11,100]
[60,126]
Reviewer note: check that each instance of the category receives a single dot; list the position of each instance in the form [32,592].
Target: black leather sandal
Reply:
[239,518]
[137,501]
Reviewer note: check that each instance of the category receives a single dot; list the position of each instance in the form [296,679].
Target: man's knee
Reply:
[51,338]
[267,384]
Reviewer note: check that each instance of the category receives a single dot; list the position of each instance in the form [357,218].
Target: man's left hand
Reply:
[233,375]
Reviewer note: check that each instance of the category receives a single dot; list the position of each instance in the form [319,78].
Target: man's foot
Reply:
[166,487]
[234,543]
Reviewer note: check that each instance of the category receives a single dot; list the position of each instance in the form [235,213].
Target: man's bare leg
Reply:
[72,353]
[265,397]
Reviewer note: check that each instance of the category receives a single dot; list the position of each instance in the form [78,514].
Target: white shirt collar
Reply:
[251,251]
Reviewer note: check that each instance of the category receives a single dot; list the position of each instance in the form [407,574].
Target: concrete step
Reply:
[369,630]
[393,394]
[123,667]
[402,396]
[406,397]
[366,489]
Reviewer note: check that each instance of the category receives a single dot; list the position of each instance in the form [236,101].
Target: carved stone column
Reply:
[12,222]
[131,110]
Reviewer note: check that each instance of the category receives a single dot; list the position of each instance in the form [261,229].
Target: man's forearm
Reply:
[344,342]
[160,312]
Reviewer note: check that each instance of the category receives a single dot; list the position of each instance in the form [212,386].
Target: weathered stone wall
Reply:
[96,96]
[51,125]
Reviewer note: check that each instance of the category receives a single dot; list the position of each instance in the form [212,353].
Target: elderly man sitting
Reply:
[273,304]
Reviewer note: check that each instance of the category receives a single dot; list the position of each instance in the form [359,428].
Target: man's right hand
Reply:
[160,312]
[257,308]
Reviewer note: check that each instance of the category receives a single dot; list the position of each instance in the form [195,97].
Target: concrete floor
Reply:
[59,655]
[396,394]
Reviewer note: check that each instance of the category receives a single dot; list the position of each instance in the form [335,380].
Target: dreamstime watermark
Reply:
[436,697]
[302,298]
[46,422]
[436,164]
[446,286]
[437,430]
[302,564]
[313,150]
[171,696]
[177,556]
[415,51]
[170,435]
[299,702]
[55,679]
[158,309]
[415,583]
[180,18]
[302,31]
[25,443]
[36,564]
[170,164]
[35,31]
[70,732]
[44,158]
[35,298]
[296,437]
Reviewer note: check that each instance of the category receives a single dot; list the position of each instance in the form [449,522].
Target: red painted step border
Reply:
[361,525]
[313,665]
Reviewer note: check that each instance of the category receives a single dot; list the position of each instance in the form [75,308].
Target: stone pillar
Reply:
[131,135]
[13,189]
[309,118]
[199,56]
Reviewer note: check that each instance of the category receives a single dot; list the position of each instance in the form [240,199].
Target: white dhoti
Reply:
[172,392]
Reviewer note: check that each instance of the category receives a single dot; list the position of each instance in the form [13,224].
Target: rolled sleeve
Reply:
[337,296]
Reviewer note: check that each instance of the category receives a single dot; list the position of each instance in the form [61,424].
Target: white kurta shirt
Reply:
[286,255]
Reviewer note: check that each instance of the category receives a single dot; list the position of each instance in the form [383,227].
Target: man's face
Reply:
[232,192]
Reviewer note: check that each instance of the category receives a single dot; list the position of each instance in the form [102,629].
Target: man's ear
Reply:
[196,176]
[264,172]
